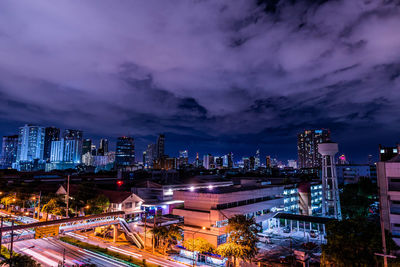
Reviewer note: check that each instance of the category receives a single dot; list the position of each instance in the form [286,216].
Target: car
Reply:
[264,238]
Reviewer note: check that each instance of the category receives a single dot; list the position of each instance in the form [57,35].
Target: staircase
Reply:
[131,236]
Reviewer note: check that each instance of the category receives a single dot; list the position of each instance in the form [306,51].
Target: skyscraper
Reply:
[65,151]
[160,146]
[125,152]
[70,134]
[268,162]
[150,155]
[8,151]
[257,163]
[86,146]
[103,148]
[51,134]
[307,147]
[230,160]
[30,143]
[208,161]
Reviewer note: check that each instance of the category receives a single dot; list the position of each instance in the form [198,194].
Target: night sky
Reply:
[214,76]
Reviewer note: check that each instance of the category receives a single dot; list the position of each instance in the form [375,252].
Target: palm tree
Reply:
[242,239]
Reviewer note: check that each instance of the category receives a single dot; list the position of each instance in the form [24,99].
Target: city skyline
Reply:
[226,77]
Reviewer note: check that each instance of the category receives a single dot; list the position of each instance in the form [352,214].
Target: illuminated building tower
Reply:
[87,146]
[51,134]
[8,151]
[268,161]
[30,143]
[160,146]
[70,134]
[307,147]
[230,160]
[103,148]
[125,152]
[330,191]
[257,159]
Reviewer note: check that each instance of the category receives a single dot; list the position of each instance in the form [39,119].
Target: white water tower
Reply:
[330,190]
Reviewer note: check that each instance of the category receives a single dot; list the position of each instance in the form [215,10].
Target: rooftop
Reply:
[230,189]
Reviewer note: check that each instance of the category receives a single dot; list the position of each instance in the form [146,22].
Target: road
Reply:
[49,252]
[129,250]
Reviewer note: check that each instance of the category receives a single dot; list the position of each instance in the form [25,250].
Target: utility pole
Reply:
[63,263]
[12,241]
[1,232]
[154,227]
[67,197]
[40,196]
[145,229]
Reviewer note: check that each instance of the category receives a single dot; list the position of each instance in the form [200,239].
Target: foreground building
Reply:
[206,211]
[388,170]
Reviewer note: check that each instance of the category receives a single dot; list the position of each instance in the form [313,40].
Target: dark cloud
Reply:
[213,75]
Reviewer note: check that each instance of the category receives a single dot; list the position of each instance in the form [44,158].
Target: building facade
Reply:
[9,149]
[388,170]
[206,211]
[51,134]
[307,147]
[125,152]
[160,146]
[30,146]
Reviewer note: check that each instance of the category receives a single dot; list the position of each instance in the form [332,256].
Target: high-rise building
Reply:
[219,162]
[268,163]
[252,163]
[8,151]
[307,147]
[87,146]
[246,163]
[388,171]
[160,146]
[330,187]
[125,152]
[183,154]
[94,150]
[51,134]
[183,159]
[151,155]
[230,160]
[103,148]
[65,151]
[208,162]
[257,163]
[70,134]
[30,143]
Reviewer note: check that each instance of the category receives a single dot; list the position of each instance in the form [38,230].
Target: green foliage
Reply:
[98,204]
[357,198]
[353,243]
[20,260]
[105,251]
[166,236]
[242,238]
[54,206]
[198,244]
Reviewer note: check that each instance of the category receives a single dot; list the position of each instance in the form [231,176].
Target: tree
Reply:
[19,260]
[242,239]
[356,199]
[353,243]
[52,207]
[7,200]
[166,236]
[98,204]
[198,244]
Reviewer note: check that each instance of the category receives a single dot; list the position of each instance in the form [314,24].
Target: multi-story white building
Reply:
[292,198]
[389,194]
[206,211]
